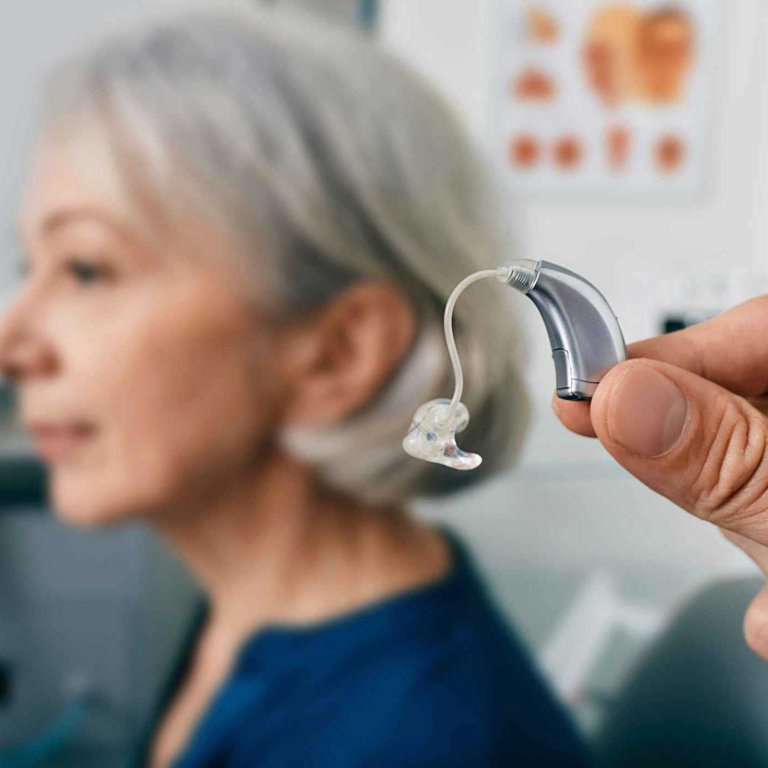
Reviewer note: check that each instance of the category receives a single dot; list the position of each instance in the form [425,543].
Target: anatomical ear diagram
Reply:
[635,55]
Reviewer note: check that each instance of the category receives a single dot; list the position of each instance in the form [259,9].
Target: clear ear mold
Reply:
[432,436]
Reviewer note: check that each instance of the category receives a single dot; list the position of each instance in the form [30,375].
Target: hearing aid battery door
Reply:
[584,334]
[568,387]
[562,369]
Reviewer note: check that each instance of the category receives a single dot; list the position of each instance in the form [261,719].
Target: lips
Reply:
[57,441]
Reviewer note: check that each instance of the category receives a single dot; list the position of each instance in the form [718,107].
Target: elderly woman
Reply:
[240,230]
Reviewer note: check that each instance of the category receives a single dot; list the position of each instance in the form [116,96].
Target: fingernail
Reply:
[647,412]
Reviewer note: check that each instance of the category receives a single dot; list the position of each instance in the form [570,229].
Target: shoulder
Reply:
[454,694]
[450,713]
[434,678]
[473,698]
[461,689]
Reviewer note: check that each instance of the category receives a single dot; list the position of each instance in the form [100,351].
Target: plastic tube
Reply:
[500,273]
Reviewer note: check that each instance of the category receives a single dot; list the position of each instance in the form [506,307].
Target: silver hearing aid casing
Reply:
[583,331]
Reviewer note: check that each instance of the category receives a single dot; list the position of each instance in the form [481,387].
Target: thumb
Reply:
[691,440]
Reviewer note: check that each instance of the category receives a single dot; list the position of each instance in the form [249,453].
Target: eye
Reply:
[85,272]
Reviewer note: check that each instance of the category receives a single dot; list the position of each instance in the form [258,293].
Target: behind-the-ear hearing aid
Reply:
[583,332]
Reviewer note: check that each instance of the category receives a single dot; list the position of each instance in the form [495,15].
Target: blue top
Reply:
[431,677]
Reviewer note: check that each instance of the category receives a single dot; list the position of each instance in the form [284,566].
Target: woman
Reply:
[240,232]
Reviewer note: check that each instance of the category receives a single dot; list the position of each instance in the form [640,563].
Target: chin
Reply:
[84,508]
[87,516]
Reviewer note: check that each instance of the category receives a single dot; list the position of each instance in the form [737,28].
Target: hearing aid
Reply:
[584,335]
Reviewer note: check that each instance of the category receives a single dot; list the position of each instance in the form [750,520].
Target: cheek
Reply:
[183,404]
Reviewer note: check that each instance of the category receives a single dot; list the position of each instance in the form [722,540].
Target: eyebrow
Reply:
[59,219]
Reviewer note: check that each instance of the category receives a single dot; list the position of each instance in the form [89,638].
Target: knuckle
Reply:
[732,482]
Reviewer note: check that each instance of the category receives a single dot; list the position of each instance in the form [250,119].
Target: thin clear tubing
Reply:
[500,273]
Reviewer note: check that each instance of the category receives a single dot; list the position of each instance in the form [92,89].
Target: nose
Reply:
[24,351]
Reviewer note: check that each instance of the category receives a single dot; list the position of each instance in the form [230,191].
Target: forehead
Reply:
[74,170]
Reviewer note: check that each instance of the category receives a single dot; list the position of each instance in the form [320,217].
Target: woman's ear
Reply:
[345,353]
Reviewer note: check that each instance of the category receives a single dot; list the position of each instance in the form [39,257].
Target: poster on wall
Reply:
[604,96]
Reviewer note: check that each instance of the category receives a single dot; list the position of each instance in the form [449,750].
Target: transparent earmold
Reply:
[432,436]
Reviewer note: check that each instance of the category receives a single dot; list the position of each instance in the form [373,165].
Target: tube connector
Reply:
[520,275]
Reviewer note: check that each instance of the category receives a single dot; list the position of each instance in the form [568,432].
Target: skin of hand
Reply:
[687,414]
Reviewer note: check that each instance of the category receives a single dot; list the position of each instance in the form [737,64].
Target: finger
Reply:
[730,349]
[691,440]
[756,624]
[577,416]
[761,403]
[758,553]
[574,415]
[756,617]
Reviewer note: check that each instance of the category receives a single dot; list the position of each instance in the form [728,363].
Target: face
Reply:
[142,348]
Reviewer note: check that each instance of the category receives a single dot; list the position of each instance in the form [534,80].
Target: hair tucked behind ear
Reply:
[329,162]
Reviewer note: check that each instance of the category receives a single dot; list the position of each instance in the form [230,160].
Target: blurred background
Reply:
[652,185]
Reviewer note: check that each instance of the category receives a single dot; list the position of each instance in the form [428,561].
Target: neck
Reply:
[274,548]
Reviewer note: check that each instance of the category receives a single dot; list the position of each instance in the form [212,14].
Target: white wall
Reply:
[567,507]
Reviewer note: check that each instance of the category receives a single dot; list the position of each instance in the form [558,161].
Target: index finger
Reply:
[730,349]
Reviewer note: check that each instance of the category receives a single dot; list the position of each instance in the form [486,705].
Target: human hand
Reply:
[687,415]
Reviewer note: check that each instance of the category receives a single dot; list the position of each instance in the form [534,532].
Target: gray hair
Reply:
[329,162]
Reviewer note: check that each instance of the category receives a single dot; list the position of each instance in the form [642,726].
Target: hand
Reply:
[688,416]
